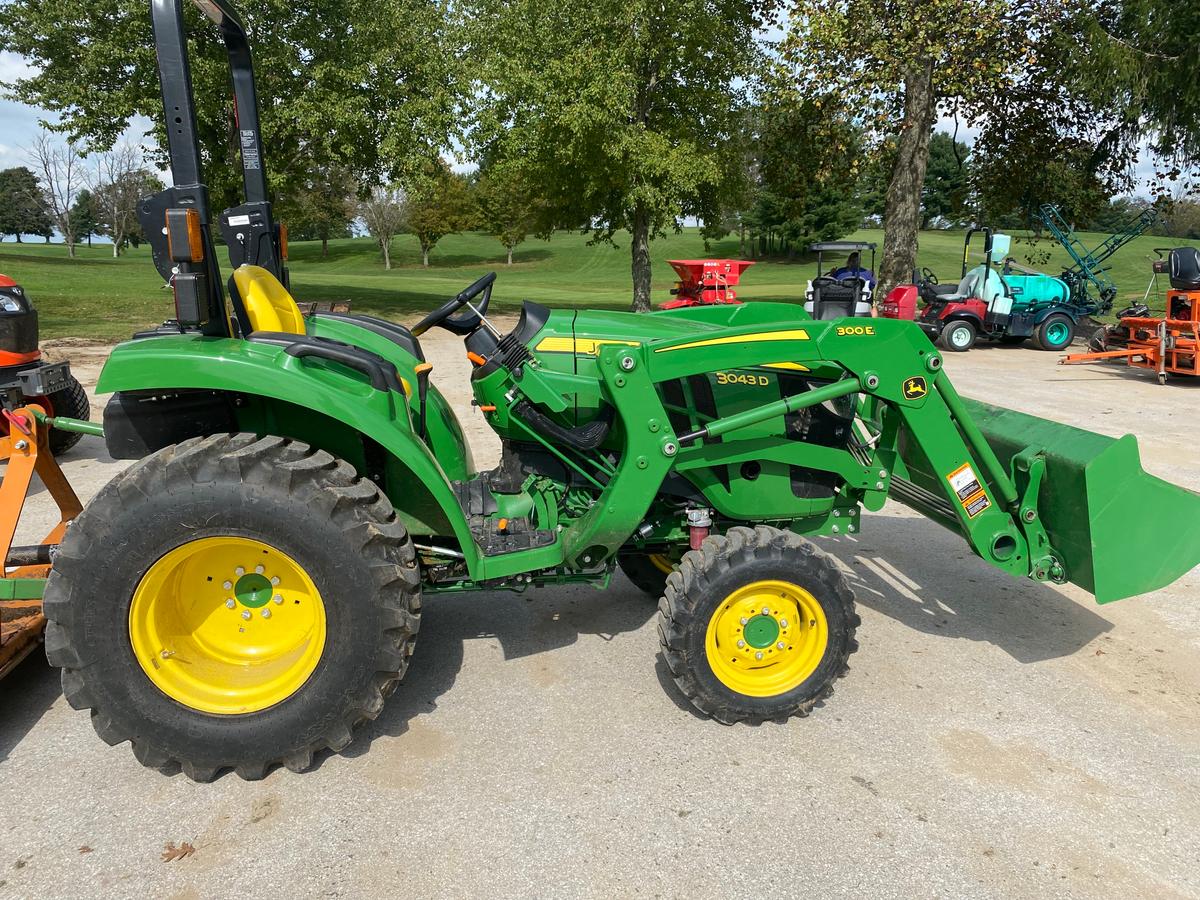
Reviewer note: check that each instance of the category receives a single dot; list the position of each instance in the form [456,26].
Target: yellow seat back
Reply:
[269,306]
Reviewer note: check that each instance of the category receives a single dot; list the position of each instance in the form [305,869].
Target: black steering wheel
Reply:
[465,324]
[927,274]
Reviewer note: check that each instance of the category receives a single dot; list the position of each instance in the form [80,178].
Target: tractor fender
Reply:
[1042,315]
[312,400]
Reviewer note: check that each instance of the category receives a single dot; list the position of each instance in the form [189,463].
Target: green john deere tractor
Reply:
[250,590]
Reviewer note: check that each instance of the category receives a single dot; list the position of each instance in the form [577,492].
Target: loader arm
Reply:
[1002,480]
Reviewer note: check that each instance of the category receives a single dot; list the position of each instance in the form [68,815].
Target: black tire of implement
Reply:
[943,340]
[704,579]
[303,501]
[644,574]
[72,403]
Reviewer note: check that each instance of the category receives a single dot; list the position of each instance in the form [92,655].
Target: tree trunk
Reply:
[116,248]
[902,210]
[70,246]
[324,248]
[424,257]
[387,253]
[18,238]
[510,250]
[641,259]
[742,241]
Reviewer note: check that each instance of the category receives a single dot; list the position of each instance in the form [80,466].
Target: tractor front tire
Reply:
[233,602]
[647,571]
[958,336]
[72,403]
[757,625]
[1055,333]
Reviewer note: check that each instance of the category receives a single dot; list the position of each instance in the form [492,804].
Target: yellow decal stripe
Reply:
[798,334]
[791,367]
[585,346]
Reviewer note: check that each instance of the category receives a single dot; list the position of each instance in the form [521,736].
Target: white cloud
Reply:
[13,67]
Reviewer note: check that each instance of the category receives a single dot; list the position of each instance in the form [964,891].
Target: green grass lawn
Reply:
[96,296]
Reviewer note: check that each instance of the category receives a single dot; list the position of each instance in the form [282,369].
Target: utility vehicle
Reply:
[251,588]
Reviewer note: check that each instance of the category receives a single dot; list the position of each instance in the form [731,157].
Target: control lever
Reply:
[422,371]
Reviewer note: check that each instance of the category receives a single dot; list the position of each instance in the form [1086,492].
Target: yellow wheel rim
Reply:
[662,562]
[227,625]
[766,638]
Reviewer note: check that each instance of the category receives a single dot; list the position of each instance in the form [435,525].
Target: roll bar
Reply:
[249,230]
[175,78]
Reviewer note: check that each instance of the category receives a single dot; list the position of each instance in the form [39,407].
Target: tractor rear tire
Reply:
[72,403]
[1055,333]
[144,622]
[757,625]
[647,571]
[958,336]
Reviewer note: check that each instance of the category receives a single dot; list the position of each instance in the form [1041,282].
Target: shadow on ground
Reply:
[25,696]
[524,625]
[926,578]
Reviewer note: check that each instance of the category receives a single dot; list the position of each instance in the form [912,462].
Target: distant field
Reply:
[96,296]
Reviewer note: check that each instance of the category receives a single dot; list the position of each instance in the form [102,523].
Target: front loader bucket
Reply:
[1119,531]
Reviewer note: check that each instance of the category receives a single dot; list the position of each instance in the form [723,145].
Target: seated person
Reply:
[854,269]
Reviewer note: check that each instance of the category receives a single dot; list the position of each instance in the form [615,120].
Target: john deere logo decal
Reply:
[915,388]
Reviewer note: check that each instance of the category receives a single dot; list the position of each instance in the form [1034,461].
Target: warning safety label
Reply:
[970,492]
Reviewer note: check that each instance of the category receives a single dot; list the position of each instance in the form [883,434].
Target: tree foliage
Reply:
[896,67]
[947,189]
[507,206]
[321,207]
[438,204]
[624,113]
[84,220]
[22,204]
[368,87]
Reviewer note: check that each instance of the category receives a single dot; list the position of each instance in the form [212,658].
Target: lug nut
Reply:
[246,614]
[783,623]
[743,620]
[266,614]
[274,580]
[766,610]
[741,643]
[240,570]
[21,445]
[230,603]
[781,645]
[259,569]
[758,655]
[278,598]
[228,585]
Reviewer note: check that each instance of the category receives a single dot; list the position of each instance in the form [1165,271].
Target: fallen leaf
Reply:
[171,853]
[85,849]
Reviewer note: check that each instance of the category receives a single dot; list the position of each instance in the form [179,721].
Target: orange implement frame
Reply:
[1169,346]
[25,448]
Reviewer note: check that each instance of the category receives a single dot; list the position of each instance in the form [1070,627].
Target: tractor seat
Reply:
[261,303]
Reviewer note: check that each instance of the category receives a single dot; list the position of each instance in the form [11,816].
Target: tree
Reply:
[118,185]
[439,204]
[947,181]
[624,113]
[22,206]
[320,208]
[60,170]
[897,68]
[383,215]
[84,222]
[339,87]
[807,169]
[506,205]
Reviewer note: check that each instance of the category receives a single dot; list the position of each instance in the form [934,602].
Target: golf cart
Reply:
[845,291]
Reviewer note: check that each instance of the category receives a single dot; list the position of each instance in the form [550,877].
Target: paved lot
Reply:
[994,738]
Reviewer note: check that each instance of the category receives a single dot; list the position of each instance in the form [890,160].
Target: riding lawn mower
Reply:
[250,590]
